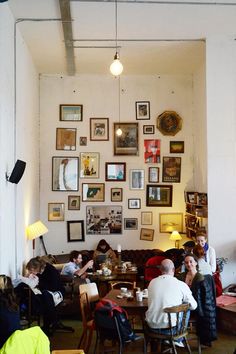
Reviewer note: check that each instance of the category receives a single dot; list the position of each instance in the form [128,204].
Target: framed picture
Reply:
[169,123]
[191,197]
[75,231]
[73,202]
[65,173]
[71,112]
[146,218]
[66,139]
[83,141]
[176,147]
[103,220]
[89,164]
[130,223]
[142,110]
[171,170]
[127,143]
[93,192]
[202,198]
[148,129]
[153,174]
[152,150]
[99,129]
[56,211]
[115,171]
[169,222]
[146,234]
[136,179]
[116,194]
[134,203]
[159,195]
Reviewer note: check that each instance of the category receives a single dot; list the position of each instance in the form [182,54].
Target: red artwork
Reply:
[152,151]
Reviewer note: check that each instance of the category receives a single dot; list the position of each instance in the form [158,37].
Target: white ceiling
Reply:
[162,23]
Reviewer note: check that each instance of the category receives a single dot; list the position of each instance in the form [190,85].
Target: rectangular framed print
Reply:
[99,129]
[115,171]
[169,222]
[93,192]
[134,203]
[146,234]
[153,174]
[152,150]
[159,195]
[116,194]
[146,218]
[103,220]
[89,164]
[71,112]
[56,211]
[75,231]
[73,202]
[66,139]
[65,173]
[148,129]
[136,179]
[127,143]
[130,223]
[171,170]
[142,110]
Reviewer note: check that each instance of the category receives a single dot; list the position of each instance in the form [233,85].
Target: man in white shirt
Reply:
[166,291]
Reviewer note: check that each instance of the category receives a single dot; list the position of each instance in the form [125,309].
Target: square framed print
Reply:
[148,129]
[71,112]
[130,223]
[89,164]
[134,203]
[65,173]
[99,129]
[103,220]
[142,110]
[75,231]
[190,197]
[93,192]
[127,143]
[171,170]
[66,139]
[176,147]
[146,218]
[136,179]
[83,141]
[159,195]
[116,194]
[56,211]
[115,171]
[169,222]
[152,150]
[73,202]
[153,174]
[146,234]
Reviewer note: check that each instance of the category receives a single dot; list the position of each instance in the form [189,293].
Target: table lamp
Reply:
[175,236]
[37,229]
[119,255]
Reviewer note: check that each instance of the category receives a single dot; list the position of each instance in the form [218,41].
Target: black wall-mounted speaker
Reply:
[17,172]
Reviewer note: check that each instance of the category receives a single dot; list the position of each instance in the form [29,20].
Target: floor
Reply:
[226,343]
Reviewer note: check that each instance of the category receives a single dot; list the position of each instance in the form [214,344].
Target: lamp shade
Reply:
[35,230]
[175,236]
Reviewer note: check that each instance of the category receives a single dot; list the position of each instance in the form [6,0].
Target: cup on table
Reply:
[123,290]
[139,296]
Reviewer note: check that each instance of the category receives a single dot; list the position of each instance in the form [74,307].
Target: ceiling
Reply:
[154,37]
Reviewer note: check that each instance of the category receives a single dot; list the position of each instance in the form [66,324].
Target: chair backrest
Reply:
[178,319]
[85,308]
[92,291]
[130,285]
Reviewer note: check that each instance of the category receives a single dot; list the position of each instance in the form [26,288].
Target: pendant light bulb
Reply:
[116,67]
[118,132]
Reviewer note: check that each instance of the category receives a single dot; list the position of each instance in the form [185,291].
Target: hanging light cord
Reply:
[119,100]
[116,22]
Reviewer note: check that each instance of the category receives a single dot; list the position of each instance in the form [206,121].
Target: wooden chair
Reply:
[130,285]
[177,330]
[92,291]
[87,322]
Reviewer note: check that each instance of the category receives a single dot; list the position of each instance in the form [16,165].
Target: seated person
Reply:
[161,295]
[203,267]
[104,252]
[9,312]
[75,269]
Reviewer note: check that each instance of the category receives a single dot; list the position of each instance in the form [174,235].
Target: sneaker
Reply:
[179,344]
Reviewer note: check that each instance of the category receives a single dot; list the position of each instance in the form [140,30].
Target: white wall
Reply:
[18,140]
[99,96]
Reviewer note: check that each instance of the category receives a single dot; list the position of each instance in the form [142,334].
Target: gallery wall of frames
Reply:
[95,184]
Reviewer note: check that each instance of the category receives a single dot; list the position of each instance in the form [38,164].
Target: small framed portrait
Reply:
[146,234]
[56,211]
[171,170]
[159,195]
[142,110]
[75,231]
[99,129]
[66,139]
[136,179]
[169,222]
[116,194]
[89,164]
[71,112]
[146,218]
[73,202]
[93,192]
[153,174]
[130,223]
[152,150]
[176,147]
[134,203]
[127,143]
[65,173]
[115,171]
[148,129]
[83,141]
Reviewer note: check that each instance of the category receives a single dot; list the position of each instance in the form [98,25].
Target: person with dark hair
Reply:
[203,267]
[189,246]
[9,312]
[75,269]
[103,253]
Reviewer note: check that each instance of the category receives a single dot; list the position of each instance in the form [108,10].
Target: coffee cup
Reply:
[123,290]
[139,296]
